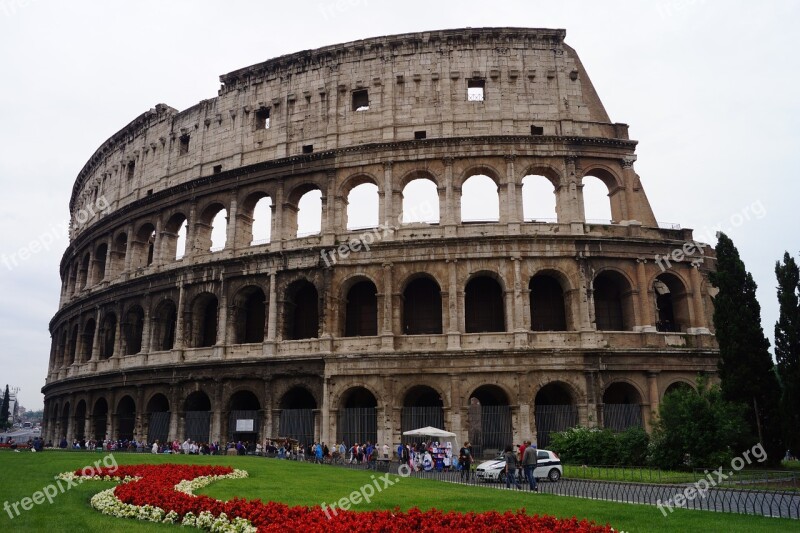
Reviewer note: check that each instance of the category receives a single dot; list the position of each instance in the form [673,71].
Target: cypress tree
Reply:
[746,369]
[787,349]
[4,409]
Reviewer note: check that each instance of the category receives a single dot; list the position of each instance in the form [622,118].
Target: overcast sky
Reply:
[709,89]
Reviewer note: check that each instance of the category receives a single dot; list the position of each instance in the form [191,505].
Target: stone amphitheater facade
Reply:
[496,330]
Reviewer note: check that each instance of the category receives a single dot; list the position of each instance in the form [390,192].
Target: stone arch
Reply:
[550,305]
[132,329]
[551,173]
[484,303]
[678,384]
[672,303]
[165,321]
[360,307]
[358,416]
[362,207]
[612,292]
[79,420]
[173,237]
[157,414]
[100,255]
[252,229]
[119,247]
[203,325]
[422,305]
[249,315]
[422,405]
[64,420]
[301,310]
[143,245]
[416,174]
[88,340]
[480,199]
[555,409]
[478,170]
[489,419]
[73,345]
[100,419]
[297,414]
[83,271]
[420,197]
[108,335]
[613,207]
[536,184]
[622,405]
[244,415]
[126,418]
[354,180]
[297,225]
[197,416]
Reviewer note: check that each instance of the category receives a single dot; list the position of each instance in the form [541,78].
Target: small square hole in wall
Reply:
[420,134]
[262,118]
[217,169]
[475,90]
[308,148]
[360,100]
[537,130]
[184,149]
[149,192]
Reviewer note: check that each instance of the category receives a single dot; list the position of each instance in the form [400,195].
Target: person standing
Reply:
[465,460]
[529,464]
[511,467]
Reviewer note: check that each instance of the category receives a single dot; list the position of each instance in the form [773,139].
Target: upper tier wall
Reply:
[414,82]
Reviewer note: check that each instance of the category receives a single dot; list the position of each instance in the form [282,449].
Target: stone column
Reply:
[508,208]
[387,331]
[452,208]
[699,323]
[216,414]
[231,229]
[453,332]
[272,316]
[646,320]
[329,229]
[276,233]
[651,411]
[386,210]
[456,409]
[119,342]
[179,324]
[175,412]
[146,327]
[95,355]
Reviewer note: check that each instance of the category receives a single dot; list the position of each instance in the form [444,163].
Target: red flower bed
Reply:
[157,488]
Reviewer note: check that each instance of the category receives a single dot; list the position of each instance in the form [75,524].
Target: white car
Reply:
[548,465]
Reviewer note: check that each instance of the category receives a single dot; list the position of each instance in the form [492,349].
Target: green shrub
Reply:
[593,446]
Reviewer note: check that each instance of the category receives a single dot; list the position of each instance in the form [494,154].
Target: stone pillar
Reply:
[146,327]
[651,412]
[119,342]
[592,412]
[387,331]
[272,316]
[222,315]
[217,401]
[699,322]
[646,320]
[569,205]
[138,426]
[231,229]
[386,211]
[329,229]
[129,251]
[452,207]
[508,205]
[276,233]
[456,410]
[175,414]
[179,324]
[453,332]
[95,339]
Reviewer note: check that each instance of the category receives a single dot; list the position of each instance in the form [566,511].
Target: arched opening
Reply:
[158,415]
[479,200]
[538,199]
[484,307]
[672,304]
[126,418]
[99,265]
[555,411]
[422,307]
[678,386]
[358,417]
[79,421]
[250,313]
[613,302]
[143,246]
[197,417]
[548,309]
[361,310]
[100,420]
[219,231]
[420,202]
[363,207]
[173,238]
[422,407]
[118,251]
[64,421]
[108,335]
[301,311]
[133,328]
[73,345]
[244,420]
[211,228]
[309,213]
[165,320]
[596,201]
[489,421]
[260,227]
[204,322]
[297,415]
[88,340]
[63,356]
[622,407]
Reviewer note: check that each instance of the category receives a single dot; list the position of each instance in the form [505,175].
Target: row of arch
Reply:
[485,310]
[296,414]
[259,215]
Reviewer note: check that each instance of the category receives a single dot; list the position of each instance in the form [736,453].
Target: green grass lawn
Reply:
[308,484]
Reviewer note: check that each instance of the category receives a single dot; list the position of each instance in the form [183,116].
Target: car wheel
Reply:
[554,475]
[501,477]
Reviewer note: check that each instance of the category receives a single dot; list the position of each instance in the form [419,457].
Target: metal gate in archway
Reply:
[297,424]
[358,424]
[197,425]
[621,416]
[158,427]
[490,429]
[552,419]
[244,425]
[420,417]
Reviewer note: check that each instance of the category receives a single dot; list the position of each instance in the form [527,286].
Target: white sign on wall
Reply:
[244,425]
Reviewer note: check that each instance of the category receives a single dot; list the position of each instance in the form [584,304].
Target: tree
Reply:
[787,348]
[746,369]
[698,429]
[4,409]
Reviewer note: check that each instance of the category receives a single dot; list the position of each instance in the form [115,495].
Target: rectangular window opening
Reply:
[217,169]
[184,144]
[131,168]
[475,90]
[360,100]
[308,148]
[420,134]
[537,130]
[262,118]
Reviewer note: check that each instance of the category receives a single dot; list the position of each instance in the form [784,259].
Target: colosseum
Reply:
[195,303]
